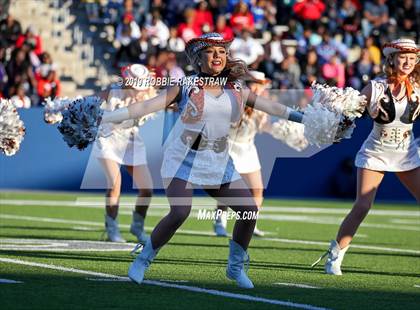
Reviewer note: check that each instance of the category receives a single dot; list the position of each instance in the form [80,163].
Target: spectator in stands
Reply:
[142,48]
[309,11]
[45,65]
[338,31]
[10,30]
[223,28]
[157,31]
[330,47]
[127,31]
[311,70]
[203,17]
[246,48]
[376,17]
[290,70]
[171,68]
[20,100]
[334,70]
[274,52]
[176,10]
[188,29]
[258,12]
[304,42]
[19,71]
[160,64]
[374,51]
[32,39]
[49,86]
[242,18]
[142,11]
[92,10]
[3,73]
[4,8]
[365,70]
[175,43]
[407,18]
[349,20]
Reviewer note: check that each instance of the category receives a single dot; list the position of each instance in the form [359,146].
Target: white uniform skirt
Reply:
[124,146]
[244,156]
[389,148]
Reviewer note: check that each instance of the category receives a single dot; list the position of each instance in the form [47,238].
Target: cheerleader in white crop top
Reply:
[198,153]
[122,145]
[394,104]
[244,152]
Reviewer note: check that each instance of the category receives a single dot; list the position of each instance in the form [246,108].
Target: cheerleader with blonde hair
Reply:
[394,105]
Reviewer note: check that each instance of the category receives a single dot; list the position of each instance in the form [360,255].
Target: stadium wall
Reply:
[44,162]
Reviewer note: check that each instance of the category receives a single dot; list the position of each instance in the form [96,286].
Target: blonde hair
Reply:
[390,72]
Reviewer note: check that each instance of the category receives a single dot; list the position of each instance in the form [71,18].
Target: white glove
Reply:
[116,116]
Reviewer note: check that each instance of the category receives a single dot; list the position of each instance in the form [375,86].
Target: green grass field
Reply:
[50,244]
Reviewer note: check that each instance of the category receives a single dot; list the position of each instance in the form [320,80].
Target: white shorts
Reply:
[124,146]
[245,157]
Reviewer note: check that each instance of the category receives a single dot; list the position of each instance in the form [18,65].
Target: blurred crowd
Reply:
[27,72]
[294,42]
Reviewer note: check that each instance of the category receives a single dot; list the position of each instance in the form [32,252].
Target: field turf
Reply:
[50,244]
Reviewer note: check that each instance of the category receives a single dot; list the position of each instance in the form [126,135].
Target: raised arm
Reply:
[271,107]
[143,108]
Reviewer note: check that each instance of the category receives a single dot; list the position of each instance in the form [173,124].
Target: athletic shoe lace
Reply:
[320,258]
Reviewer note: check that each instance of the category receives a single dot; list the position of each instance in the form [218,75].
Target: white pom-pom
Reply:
[53,109]
[321,124]
[290,133]
[331,114]
[81,119]
[12,129]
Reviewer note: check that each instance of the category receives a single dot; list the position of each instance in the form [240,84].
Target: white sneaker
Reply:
[335,258]
[142,262]
[112,230]
[137,228]
[220,224]
[258,233]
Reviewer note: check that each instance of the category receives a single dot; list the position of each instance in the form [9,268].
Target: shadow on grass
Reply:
[162,260]
[75,292]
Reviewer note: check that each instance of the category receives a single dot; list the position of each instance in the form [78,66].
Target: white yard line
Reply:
[83,228]
[297,285]
[169,285]
[99,204]
[323,220]
[360,235]
[201,233]
[277,218]
[7,281]
[406,221]
[52,245]
[109,279]
[355,246]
